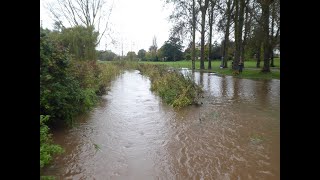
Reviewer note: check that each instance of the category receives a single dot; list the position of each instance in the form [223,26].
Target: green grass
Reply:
[250,71]
[250,74]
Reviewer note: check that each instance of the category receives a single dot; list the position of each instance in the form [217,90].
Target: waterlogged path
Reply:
[133,135]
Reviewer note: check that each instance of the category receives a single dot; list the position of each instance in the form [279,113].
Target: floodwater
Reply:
[133,135]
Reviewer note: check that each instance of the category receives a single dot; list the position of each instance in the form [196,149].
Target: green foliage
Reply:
[89,99]
[216,51]
[153,71]
[106,55]
[59,92]
[47,178]
[107,72]
[171,50]
[188,56]
[174,88]
[131,55]
[188,52]
[80,41]
[47,149]
[142,54]
[69,87]
[126,64]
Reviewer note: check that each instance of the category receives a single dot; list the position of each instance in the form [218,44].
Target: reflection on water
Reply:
[142,138]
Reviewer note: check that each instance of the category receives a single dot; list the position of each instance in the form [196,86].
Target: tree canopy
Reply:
[172,50]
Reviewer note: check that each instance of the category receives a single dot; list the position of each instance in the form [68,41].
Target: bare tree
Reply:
[89,13]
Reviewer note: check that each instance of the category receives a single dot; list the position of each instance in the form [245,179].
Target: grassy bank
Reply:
[174,88]
[250,71]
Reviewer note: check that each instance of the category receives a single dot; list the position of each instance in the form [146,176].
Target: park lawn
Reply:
[250,74]
[252,63]
[214,63]
[247,71]
[250,71]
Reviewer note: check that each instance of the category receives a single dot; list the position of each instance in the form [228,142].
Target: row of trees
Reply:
[171,50]
[254,25]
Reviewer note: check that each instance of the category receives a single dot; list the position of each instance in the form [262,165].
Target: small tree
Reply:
[131,55]
[171,50]
[81,42]
[142,54]
[153,49]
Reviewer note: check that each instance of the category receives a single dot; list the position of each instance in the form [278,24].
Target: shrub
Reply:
[60,93]
[69,87]
[47,149]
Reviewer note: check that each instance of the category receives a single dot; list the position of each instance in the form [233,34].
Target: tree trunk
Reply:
[203,10]
[246,30]
[193,35]
[210,36]
[272,36]
[226,36]
[238,33]
[259,55]
[266,38]
[203,20]
[271,59]
[239,18]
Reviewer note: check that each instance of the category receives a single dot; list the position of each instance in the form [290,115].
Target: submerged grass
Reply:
[172,86]
[47,178]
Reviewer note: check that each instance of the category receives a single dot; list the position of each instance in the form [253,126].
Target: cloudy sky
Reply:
[133,23]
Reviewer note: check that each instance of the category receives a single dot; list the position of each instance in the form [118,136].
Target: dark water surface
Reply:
[133,135]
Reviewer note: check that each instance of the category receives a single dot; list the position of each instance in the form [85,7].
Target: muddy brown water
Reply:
[131,134]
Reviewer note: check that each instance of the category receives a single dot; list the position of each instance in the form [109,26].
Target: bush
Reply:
[188,56]
[60,93]
[47,149]
[69,87]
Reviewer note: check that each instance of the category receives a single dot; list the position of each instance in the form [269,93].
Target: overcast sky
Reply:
[133,22]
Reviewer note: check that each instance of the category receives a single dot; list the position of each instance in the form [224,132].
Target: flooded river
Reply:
[131,134]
